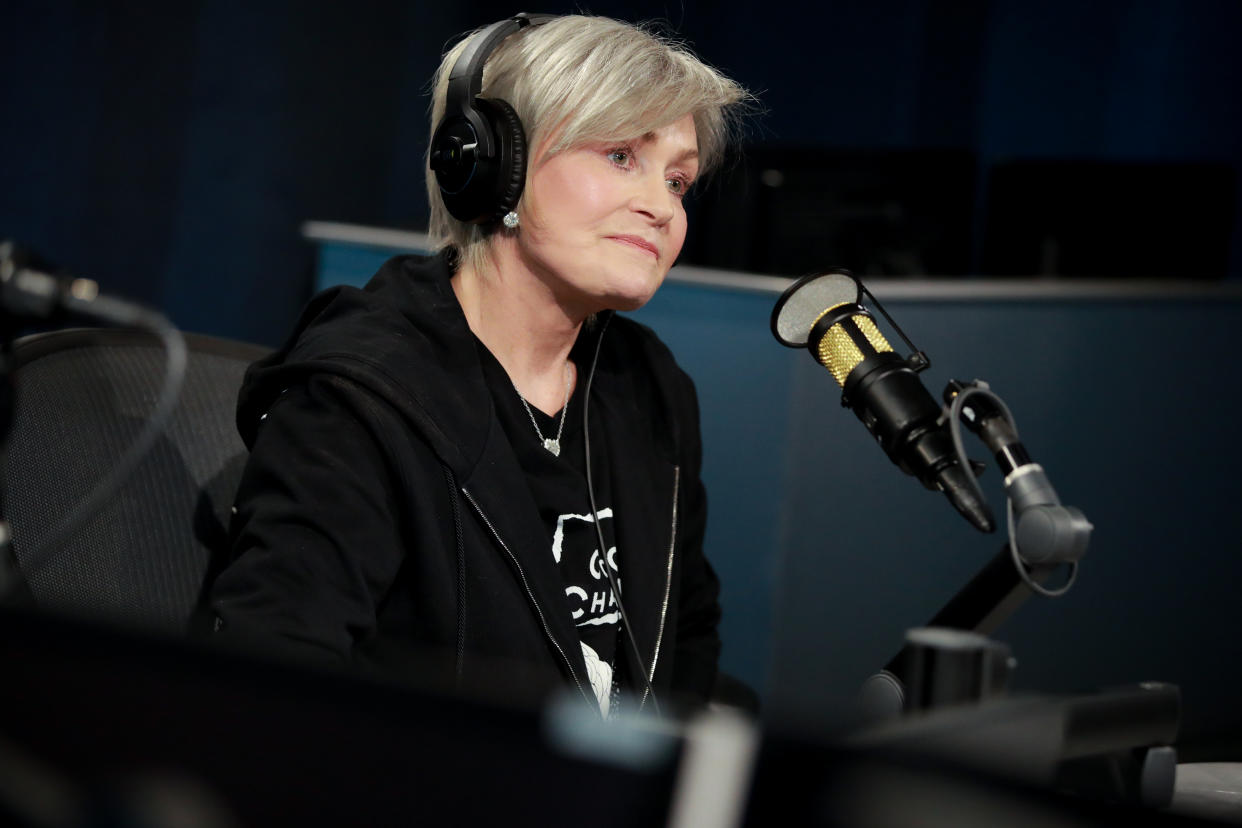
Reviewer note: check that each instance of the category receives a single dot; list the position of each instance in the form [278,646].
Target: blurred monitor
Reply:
[789,211]
[1081,218]
[99,724]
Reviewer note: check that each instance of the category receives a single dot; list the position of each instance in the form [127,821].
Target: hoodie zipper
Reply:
[531,595]
[668,585]
[459,664]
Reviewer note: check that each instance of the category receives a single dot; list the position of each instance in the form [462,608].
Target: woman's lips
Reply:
[639,242]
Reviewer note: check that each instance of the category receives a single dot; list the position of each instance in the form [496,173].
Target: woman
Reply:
[470,469]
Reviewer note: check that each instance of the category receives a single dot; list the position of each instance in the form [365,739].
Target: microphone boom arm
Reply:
[1043,533]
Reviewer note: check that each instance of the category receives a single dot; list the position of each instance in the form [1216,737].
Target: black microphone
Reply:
[824,314]
[31,290]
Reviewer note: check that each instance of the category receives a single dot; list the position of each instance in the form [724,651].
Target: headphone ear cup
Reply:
[510,171]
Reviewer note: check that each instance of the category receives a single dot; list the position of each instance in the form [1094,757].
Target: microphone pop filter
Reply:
[805,301]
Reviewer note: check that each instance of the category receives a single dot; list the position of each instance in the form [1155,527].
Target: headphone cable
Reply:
[599,532]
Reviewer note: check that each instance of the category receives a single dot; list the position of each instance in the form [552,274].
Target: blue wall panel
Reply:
[1129,404]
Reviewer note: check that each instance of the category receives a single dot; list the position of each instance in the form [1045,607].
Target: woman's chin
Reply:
[629,303]
[632,296]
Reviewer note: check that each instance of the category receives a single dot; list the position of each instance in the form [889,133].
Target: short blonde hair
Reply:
[591,79]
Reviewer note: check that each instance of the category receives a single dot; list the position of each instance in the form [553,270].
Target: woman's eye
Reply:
[678,186]
[620,157]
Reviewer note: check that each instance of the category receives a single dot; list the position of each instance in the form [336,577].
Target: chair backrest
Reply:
[82,396]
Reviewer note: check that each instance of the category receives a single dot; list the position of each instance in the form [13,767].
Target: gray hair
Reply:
[590,79]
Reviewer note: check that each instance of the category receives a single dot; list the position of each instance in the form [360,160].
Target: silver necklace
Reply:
[551,444]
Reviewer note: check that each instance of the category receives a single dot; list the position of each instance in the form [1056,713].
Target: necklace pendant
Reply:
[553,446]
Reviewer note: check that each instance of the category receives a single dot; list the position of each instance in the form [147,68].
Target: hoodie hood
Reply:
[406,315]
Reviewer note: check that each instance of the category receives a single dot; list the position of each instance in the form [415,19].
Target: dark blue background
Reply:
[173,150]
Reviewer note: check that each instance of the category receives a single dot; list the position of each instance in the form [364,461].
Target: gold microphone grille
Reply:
[837,351]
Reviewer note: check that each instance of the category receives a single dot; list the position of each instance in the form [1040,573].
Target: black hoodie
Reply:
[383,517]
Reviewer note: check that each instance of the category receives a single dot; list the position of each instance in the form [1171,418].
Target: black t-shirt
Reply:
[558,485]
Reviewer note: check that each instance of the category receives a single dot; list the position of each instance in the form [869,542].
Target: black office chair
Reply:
[82,396]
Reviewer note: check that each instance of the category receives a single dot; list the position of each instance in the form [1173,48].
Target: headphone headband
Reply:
[466,76]
[478,150]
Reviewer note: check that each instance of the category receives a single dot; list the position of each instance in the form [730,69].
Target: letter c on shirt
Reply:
[581,593]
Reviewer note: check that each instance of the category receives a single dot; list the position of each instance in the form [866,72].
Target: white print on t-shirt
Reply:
[558,537]
[589,608]
[600,673]
[592,604]
[579,598]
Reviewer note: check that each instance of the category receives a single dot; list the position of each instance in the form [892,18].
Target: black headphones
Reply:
[478,151]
